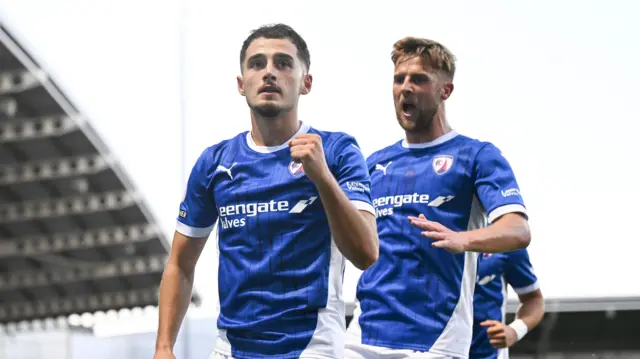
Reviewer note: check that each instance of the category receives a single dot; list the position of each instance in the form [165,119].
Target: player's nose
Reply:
[406,91]
[269,73]
[407,87]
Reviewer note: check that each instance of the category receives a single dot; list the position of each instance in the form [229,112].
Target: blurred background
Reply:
[104,107]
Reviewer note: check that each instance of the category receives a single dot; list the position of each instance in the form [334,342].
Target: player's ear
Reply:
[447,89]
[306,84]
[240,85]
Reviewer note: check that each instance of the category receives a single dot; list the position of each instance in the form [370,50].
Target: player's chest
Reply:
[265,189]
[491,267]
[432,181]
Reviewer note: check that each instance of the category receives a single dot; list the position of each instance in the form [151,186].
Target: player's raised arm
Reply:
[196,220]
[351,218]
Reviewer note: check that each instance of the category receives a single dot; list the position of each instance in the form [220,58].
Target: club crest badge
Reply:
[442,164]
[295,168]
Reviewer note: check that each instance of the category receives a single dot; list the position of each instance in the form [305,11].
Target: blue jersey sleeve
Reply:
[198,213]
[519,272]
[352,174]
[496,185]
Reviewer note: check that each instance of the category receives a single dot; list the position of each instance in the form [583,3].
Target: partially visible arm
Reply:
[354,231]
[498,191]
[528,316]
[519,273]
[530,311]
[507,233]
[521,277]
[176,288]
[196,219]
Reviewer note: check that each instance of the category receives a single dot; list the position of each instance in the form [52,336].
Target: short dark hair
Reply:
[278,31]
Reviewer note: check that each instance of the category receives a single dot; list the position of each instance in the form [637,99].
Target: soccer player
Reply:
[434,193]
[291,202]
[491,337]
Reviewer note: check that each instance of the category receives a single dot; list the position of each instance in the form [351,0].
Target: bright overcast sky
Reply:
[552,83]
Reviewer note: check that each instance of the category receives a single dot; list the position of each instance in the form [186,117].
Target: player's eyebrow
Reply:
[405,73]
[255,57]
[414,76]
[283,56]
[277,55]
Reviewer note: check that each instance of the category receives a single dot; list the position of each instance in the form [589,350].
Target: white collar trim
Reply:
[270,149]
[440,140]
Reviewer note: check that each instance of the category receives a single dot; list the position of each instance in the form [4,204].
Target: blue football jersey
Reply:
[416,296]
[280,273]
[495,272]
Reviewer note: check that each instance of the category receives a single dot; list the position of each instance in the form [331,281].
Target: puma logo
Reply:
[227,170]
[383,168]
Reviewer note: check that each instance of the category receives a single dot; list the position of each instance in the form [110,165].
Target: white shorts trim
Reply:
[362,351]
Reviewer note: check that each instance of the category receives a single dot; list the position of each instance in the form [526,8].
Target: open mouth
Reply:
[408,109]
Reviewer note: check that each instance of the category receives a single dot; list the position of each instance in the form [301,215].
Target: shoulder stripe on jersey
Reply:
[528,289]
[194,231]
[364,206]
[509,208]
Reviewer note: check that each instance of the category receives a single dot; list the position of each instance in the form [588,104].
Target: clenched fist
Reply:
[307,149]
[500,335]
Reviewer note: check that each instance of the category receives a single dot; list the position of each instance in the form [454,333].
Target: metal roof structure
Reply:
[75,237]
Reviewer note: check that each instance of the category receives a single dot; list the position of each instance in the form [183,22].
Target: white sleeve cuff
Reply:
[364,206]
[509,208]
[528,289]
[195,232]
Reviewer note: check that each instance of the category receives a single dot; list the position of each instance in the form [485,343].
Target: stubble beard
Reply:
[269,110]
[422,123]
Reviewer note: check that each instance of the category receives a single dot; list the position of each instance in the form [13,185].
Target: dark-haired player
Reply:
[291,202]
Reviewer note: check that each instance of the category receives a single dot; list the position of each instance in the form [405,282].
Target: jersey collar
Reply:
[440,140]
[270,149]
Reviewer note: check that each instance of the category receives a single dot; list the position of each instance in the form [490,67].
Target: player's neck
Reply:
[439,127]
[274,131]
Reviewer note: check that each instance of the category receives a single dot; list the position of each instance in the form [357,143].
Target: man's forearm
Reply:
[529,314]
[355,236]
[506,234]
[175,296]
[531,310]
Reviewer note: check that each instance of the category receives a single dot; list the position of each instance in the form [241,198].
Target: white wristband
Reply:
[520,327]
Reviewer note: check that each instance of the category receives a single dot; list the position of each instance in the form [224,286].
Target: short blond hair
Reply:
[432,53]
